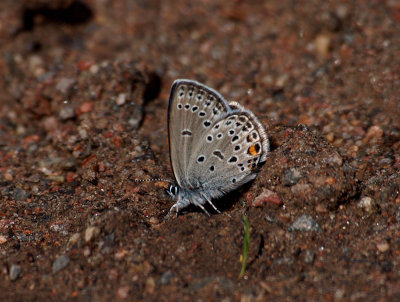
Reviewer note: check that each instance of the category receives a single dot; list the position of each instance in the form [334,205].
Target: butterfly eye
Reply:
[173,190]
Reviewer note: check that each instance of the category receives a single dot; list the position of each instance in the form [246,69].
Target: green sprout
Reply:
[246,244]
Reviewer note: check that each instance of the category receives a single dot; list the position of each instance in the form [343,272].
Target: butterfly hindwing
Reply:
[228,154]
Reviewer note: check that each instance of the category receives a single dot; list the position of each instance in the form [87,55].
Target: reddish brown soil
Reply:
[84,89]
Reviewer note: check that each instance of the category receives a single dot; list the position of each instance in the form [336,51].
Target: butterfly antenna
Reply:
[150,179]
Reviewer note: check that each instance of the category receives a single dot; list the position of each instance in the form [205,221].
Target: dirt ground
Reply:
[84,89]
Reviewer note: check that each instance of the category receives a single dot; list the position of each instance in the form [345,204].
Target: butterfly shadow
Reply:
[229,200]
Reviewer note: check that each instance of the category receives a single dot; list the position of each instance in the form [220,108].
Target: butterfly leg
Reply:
[209,201]
[204,210]
[175,208]
[215,208]
[179,205]
[182,203]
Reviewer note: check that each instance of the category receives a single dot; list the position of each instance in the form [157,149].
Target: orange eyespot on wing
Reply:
[254,149]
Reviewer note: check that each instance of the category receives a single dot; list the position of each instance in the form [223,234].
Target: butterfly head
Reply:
[173,190]
[182,197]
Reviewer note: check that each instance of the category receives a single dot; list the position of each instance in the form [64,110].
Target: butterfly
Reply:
[215,146]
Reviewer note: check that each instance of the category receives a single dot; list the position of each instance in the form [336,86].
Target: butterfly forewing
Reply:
[193,109]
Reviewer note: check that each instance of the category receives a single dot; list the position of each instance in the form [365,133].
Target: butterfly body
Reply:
[215,146]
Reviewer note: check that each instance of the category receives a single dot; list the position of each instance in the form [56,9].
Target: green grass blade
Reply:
[246,244]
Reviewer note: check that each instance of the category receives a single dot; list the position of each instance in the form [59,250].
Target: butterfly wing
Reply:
[192,108]
[228,153]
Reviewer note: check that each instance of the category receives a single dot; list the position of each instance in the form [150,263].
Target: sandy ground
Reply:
[84,89]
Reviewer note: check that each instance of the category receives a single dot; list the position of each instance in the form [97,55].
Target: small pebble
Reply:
[50,123]
[57,178]
[166,278]
[84,65]
[336,159]
[383,246]
[368,204]
[281,80]
[321,209]
[60,263]
[123,292]
[291,177]
[330,181]
[374,132]
[74,239]
[150,286]
[330,137]
[342,11]
[8,176]
[35,64]
[120,254]
[266,196]
[247,298]
[69,164]
[65,84]
[15,270]
[3,239]
[309,256]
[20,194]
[94,68]
[305,223]
[339,294]
[134,122]
[154,221]
[83,133]
[66,113]
[59,228]
[91,232]
[387,161]
[86,251]
[86,107]
[322,44]
[121,99]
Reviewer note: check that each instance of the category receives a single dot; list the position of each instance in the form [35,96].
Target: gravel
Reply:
[305,223]
[60,263]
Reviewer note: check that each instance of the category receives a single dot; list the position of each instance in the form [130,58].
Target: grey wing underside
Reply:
[232,159]
[229,137]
